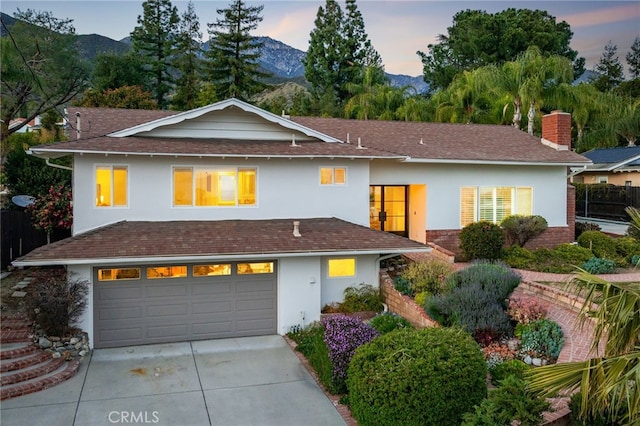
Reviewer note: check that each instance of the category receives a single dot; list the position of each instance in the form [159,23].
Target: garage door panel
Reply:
[154,311]
[167,290]
[263,325]
[120,292]
[119,313]
[215,327]
[213,288]
[173,331]
[149,311]
[222,306]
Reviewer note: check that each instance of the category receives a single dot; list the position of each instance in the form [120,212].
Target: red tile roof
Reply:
[209,239]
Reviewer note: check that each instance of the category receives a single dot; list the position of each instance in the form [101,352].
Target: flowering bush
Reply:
[496,353]
[52,210]
[343,335]
[524,311]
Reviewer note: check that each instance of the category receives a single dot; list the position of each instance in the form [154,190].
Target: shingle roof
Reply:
[212,147]
[128,241]
[613,155]
[444,141]
[441,142]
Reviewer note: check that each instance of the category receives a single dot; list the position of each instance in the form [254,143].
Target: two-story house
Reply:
[228,220]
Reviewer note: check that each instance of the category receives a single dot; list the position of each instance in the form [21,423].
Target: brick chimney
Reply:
[556,130]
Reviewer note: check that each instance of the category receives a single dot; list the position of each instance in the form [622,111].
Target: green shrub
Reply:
[428,275]
[361,298]
[474,308]
[311,344]
[563,259]
[402,285]
[627,247]
[388,321]
[55,301]
[513,367]
[633,232]
[519,258]
[482,240]
[585,226]
[595,265]
[497,277]
[422,297]
[508,403]
[407,377]
[635,260]
[542,338]
[519,229]
[600,244]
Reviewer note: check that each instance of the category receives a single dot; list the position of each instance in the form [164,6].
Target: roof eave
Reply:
[210,257]
[496,163]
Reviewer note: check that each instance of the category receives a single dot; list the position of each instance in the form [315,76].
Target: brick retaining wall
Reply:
[403,305]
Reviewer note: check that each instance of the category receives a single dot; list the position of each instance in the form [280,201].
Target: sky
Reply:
[397,28]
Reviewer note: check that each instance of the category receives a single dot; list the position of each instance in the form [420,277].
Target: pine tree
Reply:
[609,68]
[154,41]
[633,59]
[339,53]
[232,58]
[324,62]
[187,61]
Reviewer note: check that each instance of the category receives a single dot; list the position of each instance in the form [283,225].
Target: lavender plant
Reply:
[343,335]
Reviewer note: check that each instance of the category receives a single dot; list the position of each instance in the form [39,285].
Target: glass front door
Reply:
[388,208]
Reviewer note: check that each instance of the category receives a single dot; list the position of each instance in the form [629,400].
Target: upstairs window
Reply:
[193,186]
[333,176]
[493,204]
[111,186]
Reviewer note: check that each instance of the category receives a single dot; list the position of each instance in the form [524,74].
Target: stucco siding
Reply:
[285,189]
[445,180]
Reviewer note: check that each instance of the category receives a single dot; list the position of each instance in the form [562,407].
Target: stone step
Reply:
[17,350]
[64,372]
[28,360]
[31,372]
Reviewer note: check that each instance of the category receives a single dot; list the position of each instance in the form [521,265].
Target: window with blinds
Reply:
[493,204]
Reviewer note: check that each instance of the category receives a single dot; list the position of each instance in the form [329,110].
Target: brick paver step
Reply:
[32,372]
[14,336]
[20,350]
[28,360]
[65,372]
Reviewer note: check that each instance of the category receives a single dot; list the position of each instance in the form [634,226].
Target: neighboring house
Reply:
[228,220]
[31,126]
[615,166]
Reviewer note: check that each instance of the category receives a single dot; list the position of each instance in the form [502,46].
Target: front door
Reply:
[388,208]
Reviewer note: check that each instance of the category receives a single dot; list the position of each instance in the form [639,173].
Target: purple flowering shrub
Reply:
[343,335]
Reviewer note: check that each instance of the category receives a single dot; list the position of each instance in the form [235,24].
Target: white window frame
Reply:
[333,175]
[216,168]
[95,189]
[477,202]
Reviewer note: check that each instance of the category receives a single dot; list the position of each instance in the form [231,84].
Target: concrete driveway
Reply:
[243,381]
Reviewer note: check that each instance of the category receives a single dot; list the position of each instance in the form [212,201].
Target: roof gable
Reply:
[228,119]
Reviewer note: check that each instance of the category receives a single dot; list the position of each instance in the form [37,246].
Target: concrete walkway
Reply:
[243,381]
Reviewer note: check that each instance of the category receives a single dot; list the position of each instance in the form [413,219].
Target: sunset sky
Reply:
[397,28]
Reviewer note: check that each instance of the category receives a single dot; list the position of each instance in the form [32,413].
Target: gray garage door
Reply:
[146,304]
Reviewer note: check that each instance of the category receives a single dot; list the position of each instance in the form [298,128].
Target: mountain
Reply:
[282,61]
[91,45]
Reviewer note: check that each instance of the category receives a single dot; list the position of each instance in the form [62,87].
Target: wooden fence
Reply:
[19,237]
[606,201]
